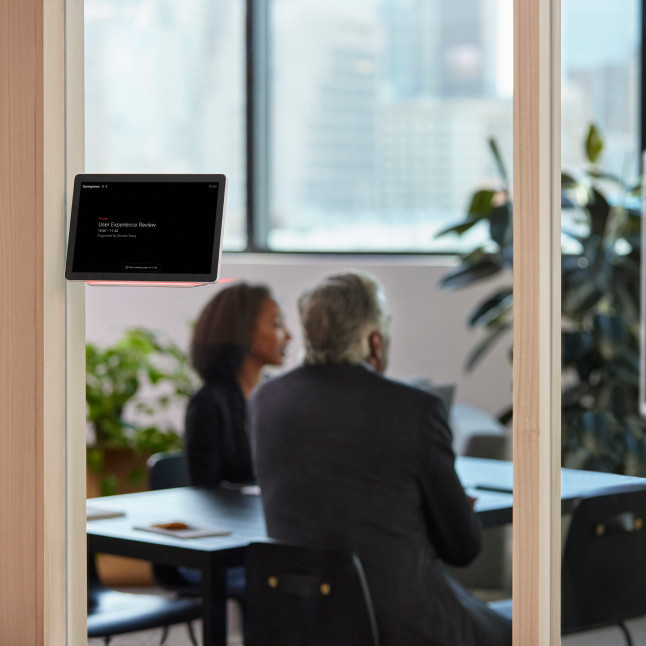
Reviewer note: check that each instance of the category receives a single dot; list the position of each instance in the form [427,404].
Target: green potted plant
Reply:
[600,268]
[129,387]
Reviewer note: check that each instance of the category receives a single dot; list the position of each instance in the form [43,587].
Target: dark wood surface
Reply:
[490,481]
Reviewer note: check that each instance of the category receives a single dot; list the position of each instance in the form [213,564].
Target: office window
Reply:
[372,134]
[601,81]
[164,92]
[380,114]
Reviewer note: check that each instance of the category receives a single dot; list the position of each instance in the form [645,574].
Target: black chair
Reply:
[111,612]
[167,470]
[604,563]
[303,596]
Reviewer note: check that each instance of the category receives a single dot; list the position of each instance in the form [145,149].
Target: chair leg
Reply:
[629,641]
[164,635]
[107,639]
[191,634]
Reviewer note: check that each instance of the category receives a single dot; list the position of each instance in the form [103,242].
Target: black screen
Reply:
[146,227]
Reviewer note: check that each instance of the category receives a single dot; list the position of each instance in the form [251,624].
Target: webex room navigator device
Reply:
[156,230]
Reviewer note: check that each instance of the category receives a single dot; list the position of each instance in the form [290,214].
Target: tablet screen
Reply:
[146,227]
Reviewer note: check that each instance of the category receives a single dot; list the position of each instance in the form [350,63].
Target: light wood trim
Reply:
[537,323]
[52,314]
[75,336]
[32,323]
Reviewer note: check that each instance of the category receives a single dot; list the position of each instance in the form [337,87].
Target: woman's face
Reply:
[270,336]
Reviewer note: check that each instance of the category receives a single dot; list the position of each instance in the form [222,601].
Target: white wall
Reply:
[430,336]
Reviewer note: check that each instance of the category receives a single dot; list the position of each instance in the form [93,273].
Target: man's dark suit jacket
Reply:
[350,459]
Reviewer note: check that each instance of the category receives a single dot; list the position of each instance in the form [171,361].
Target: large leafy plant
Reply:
[129,387]
[600,268]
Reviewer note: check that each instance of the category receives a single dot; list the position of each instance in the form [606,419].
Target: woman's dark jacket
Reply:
[216,444]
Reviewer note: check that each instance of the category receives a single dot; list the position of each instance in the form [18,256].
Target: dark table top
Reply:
[237,513]
[480,476]
[490,481]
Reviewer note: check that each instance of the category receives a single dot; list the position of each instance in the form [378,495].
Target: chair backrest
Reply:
[492,446]
[94,585]
[303,596]
[604,561]
[167,470]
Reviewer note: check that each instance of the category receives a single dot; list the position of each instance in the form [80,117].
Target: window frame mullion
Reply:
[257,124]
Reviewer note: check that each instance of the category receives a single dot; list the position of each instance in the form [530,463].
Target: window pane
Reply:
[164,92]
[601,67]
[381,112]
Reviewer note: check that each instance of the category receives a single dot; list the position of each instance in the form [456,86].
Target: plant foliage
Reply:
[600,271]
[129,387]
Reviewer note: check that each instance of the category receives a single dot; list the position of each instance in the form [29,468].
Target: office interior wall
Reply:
[430,336]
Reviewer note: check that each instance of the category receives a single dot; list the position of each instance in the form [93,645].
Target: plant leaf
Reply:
[472,272]
[574,345]
[593,144]
[609,335]
[500,225]
[481,203]
[492,307]
[481,348]
[506,416]
[457,229]
[567,181]
[599,210]
[493,145]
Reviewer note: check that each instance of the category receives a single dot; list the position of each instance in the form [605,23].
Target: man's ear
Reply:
[376,357]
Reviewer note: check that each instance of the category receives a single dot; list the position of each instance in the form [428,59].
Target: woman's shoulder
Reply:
[210,397]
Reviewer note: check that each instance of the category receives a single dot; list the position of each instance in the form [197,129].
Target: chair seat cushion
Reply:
[114,613]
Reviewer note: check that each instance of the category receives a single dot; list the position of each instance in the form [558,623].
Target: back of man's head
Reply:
[340,316]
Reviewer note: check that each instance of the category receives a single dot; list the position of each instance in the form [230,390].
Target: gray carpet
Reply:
[178,635]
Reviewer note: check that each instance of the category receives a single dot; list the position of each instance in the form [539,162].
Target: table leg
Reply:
[214,600]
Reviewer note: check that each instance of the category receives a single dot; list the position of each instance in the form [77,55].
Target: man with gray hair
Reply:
[345,320]
[349,459]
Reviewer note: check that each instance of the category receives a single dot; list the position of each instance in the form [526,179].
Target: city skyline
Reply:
[379,112]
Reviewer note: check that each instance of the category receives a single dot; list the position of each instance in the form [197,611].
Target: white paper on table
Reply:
[190,532]
[98,513]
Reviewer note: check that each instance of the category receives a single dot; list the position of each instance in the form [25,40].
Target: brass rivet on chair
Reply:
[272,582]
[600,529]
[639,523]
[325,588]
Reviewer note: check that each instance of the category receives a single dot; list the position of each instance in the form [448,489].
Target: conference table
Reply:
[240,515]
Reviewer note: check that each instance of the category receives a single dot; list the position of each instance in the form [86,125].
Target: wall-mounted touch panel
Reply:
[151,229]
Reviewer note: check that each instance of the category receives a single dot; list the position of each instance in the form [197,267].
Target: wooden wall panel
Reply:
[537,325]
[32,323]
[20,266]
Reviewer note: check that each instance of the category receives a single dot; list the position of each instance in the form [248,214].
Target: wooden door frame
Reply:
[537,323]
[42,372]
[42,405]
